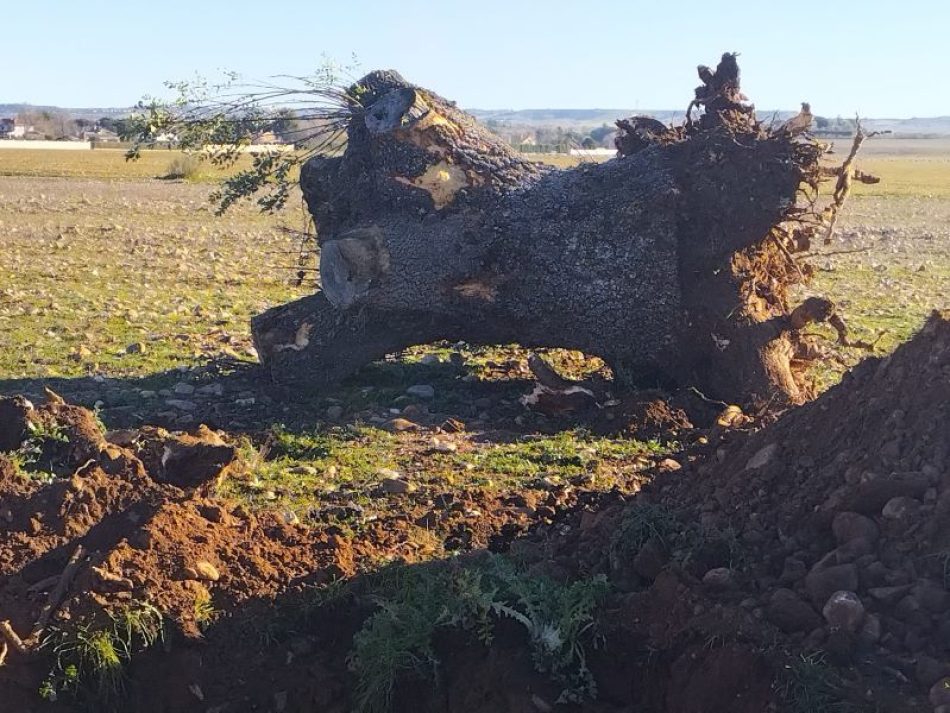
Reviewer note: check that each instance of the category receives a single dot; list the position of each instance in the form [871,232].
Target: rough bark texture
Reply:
[671,262]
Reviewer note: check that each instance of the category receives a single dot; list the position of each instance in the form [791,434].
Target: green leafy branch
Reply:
[219,123]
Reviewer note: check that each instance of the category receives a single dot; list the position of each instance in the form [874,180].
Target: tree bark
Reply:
[672,262]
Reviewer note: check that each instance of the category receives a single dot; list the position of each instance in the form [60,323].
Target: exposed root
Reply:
[846,176]
[553,394]
[788,255]
[821,310]
[766,274]
[44,584]
[842,329]
[545,374]
[59,592]
[814,309]
[29,647]
[12,639]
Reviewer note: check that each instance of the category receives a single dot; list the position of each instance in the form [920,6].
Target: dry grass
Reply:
[98,163]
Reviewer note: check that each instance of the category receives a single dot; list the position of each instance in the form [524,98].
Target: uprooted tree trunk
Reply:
[672,262]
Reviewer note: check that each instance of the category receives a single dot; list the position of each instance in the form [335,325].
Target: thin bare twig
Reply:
[59,592]
[788,255]
[13,639]
[837,252]
[43,584]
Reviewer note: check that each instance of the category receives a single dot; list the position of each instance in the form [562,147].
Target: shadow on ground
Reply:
[241,397]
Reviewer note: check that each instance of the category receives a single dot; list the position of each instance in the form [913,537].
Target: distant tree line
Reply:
[823,123]
[554,139]
[58,125]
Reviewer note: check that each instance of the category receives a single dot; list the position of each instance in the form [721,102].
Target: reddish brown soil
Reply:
[149,533]
[677,638]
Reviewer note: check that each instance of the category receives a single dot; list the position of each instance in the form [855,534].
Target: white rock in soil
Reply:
[763,457]
[844,611]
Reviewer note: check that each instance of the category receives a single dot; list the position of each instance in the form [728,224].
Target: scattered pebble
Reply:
[421,391]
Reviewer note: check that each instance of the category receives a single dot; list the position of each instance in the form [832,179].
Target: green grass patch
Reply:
[562,456]
[295,469]
[131,278]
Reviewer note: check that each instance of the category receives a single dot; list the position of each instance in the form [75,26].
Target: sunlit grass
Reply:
[131,277]
[105,163]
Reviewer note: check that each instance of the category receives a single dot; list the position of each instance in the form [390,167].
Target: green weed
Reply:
[559,619]
[644,522]
[413,604]
[685,542]
[90,659]
[31,458]
[204,610]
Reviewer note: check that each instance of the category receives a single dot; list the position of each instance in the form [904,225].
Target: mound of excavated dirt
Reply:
[827,531]
[132,533]
[844,508]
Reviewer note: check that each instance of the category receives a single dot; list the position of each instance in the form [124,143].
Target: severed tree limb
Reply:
[846,176]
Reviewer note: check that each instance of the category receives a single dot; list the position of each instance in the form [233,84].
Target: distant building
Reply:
[10,129]
[266,137]
[100,136]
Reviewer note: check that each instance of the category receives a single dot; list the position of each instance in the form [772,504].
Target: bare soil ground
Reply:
[419,540]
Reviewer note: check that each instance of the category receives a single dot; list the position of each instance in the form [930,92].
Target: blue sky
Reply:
[882,59]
